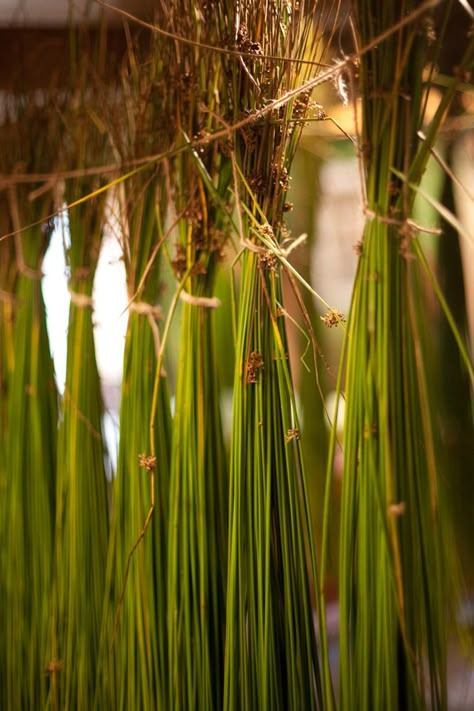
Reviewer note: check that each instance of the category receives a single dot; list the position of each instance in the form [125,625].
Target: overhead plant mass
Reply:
[190,578]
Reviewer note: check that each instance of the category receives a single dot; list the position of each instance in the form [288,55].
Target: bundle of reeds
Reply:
[197,546]
[392,569]
[271,656]
[30,139]
[81,531]
[133,654]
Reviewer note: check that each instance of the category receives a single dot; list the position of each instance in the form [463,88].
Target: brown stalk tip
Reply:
[148,461]
[333,318]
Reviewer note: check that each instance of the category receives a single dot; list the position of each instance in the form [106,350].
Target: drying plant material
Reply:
[197,546]
[81,531]
[392,569]
[133,648]
[198,588]
[29,143]
[271,657]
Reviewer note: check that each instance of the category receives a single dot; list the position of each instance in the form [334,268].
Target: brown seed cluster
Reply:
[244,42]
[333,318]
[300,106]
[179,263]
[254,365]
[267,261]
[147,461]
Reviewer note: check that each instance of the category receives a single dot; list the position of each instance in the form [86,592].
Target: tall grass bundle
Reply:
[81,531]
[197,548]
[133,656]
[271,658]
[30,139]
[8,275]
[392,569]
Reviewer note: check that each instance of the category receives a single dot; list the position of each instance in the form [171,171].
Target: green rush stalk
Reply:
[271,657]
[392,574]
[82,517]
[198,504]
[81,520]
[133,659]
[30,469]
[133,650]
[30,447]
[82,513]
[197,538]
[31,417]
[199,486]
